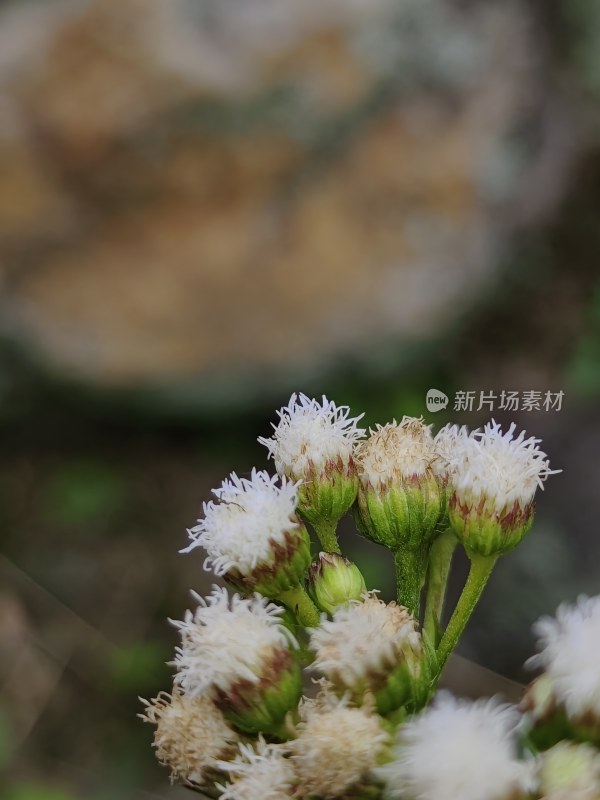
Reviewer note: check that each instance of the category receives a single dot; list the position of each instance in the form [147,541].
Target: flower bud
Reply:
[252,535]
[570,771]
[373,648]
[312,444]
[400,499]
[494,477]
[333,581]
[239,653]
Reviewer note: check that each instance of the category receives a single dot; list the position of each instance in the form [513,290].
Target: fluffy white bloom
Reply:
[570,654]
[227,640]
[495,471]
[262,772]
[238,532]
[570,771]
[337,746]
[191,734]
[457,749]
[395,451]
[310,435]
[364,638]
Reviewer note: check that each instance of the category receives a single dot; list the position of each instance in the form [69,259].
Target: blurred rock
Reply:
[192,189]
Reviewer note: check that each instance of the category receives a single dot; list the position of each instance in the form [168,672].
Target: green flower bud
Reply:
[333,581]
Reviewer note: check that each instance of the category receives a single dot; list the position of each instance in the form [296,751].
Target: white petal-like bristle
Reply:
[237,532]
[497,469]
[227,639]
[310,434]
[262,772]
[361,638]
[337,746]
[570,654]
[457,749]
[395,451]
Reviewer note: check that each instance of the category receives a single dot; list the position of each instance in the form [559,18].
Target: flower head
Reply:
[238,651]
[311,435]
[313,443]
[337,746]
[570,771]
[570,655]
[400,499]
[191,735]
[261,772]
[370,644]
[252,534]
[457,749]
[494,477]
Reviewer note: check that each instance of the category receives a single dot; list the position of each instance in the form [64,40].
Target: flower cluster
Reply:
[242,720]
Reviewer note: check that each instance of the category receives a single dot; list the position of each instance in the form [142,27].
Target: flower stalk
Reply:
[440,562]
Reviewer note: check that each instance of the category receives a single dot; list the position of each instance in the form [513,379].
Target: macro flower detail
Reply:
[236,727]
[494,477]
[252,535]
[337,746]
[239,652]
[262,772]
[457,749]
[371,646]
[333,581]
[569,771]
[570,654]
[191,735]
[313,443]
[400,499]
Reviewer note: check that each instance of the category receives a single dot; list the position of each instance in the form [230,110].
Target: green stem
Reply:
[410,577]
[440,561]
[298,601]
[481,569]
[326,533]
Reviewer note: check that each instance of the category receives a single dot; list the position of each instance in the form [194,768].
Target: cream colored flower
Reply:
[191,735]
[337,746]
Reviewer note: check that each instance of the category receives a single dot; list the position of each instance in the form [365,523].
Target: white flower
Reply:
[570,654]
[260,773]
[364,638]
[191,734]
[310,435]
[337,746]
[238,532]
[456,749]
[570,771]
[495,471]
[394,452]
[228,640]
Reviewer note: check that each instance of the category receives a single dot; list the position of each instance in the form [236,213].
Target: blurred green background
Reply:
[205,206]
